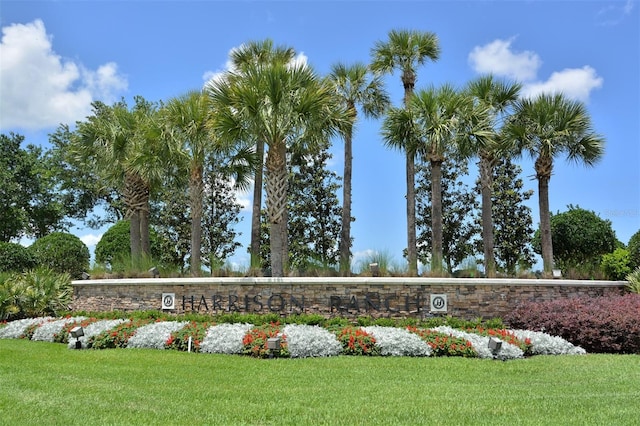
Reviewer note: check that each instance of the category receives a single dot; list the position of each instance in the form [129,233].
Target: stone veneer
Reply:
[350,297]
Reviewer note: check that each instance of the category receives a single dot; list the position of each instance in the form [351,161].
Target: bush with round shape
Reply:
[114,248]
[15,258]
[61,252]
[616,265]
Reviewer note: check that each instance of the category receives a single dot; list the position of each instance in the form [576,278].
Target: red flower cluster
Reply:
[445,345]
[356,341]
[255,341]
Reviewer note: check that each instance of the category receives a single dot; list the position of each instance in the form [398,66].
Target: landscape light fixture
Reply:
[374,268]
[77,333]
[557,273]
[273,345]
[495,345]
[85,276]
[154,271]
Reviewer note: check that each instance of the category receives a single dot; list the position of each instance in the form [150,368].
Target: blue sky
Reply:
[58,56]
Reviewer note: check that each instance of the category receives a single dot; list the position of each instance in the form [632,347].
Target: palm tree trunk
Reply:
[134,237]
[257,207]
[145,240]
[436,216]
[486,184]
[345,232]
[195,199]
[276,168]
[545,224]
[408,82]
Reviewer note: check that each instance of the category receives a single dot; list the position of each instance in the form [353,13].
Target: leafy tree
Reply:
[61,252]
[356,87]
[15,258]
[458,205]
[546,127]
[79,185]
[580,238]
[29,203]
[314,212]
[286,105]
[634,250]
[404,51]
[513,225]
[221,213]
[497,97]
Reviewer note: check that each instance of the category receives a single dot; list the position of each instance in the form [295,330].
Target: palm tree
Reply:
[436,120]
[252,55]
[186,119]
[496,96]
[546,127]
[284,105]
[355,86]
[404,51]
[125,147]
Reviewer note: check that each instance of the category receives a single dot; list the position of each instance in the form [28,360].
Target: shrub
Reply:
[35,293]
[616,265]
[601,324]
[634,250]
[15,258]
[114,248]
[61,252]
[356,341]
[634,281]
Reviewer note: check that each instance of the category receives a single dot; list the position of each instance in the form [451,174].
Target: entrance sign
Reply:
[168,301]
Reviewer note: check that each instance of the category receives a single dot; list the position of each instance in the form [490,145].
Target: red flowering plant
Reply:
[63,335]
[118,336]
[255,341]
[445,345]
[179,340]
[504,335]
[356,341]
[28,332]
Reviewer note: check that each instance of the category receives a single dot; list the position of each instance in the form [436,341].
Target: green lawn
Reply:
[48,384]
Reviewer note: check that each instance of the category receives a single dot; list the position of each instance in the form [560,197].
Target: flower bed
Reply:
[296,340]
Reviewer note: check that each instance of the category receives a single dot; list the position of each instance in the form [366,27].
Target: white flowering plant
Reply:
[296,340]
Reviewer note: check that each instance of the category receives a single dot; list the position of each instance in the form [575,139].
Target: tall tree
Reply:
[511,218]
[435,122]
[282,104]
[404,51]
[125,147]
[356,86]
[546,127]
[314,223]
[255,55]
[459,204]
[29,202]
[186,118]
[496,96]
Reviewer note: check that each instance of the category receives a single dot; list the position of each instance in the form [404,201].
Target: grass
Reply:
[46,383]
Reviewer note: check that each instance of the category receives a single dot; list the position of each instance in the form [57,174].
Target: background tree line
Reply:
[173,167]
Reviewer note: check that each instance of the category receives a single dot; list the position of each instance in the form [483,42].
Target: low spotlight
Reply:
[77,333]
[154,271]
[375,269]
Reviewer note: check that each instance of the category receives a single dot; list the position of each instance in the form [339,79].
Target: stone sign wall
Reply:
[349,297]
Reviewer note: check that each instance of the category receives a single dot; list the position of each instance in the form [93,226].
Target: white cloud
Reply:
[498,58]
[40,89]
[614,13]
[575,83]
[90,240]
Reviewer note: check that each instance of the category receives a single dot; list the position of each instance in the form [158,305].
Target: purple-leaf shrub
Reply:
[600,324]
